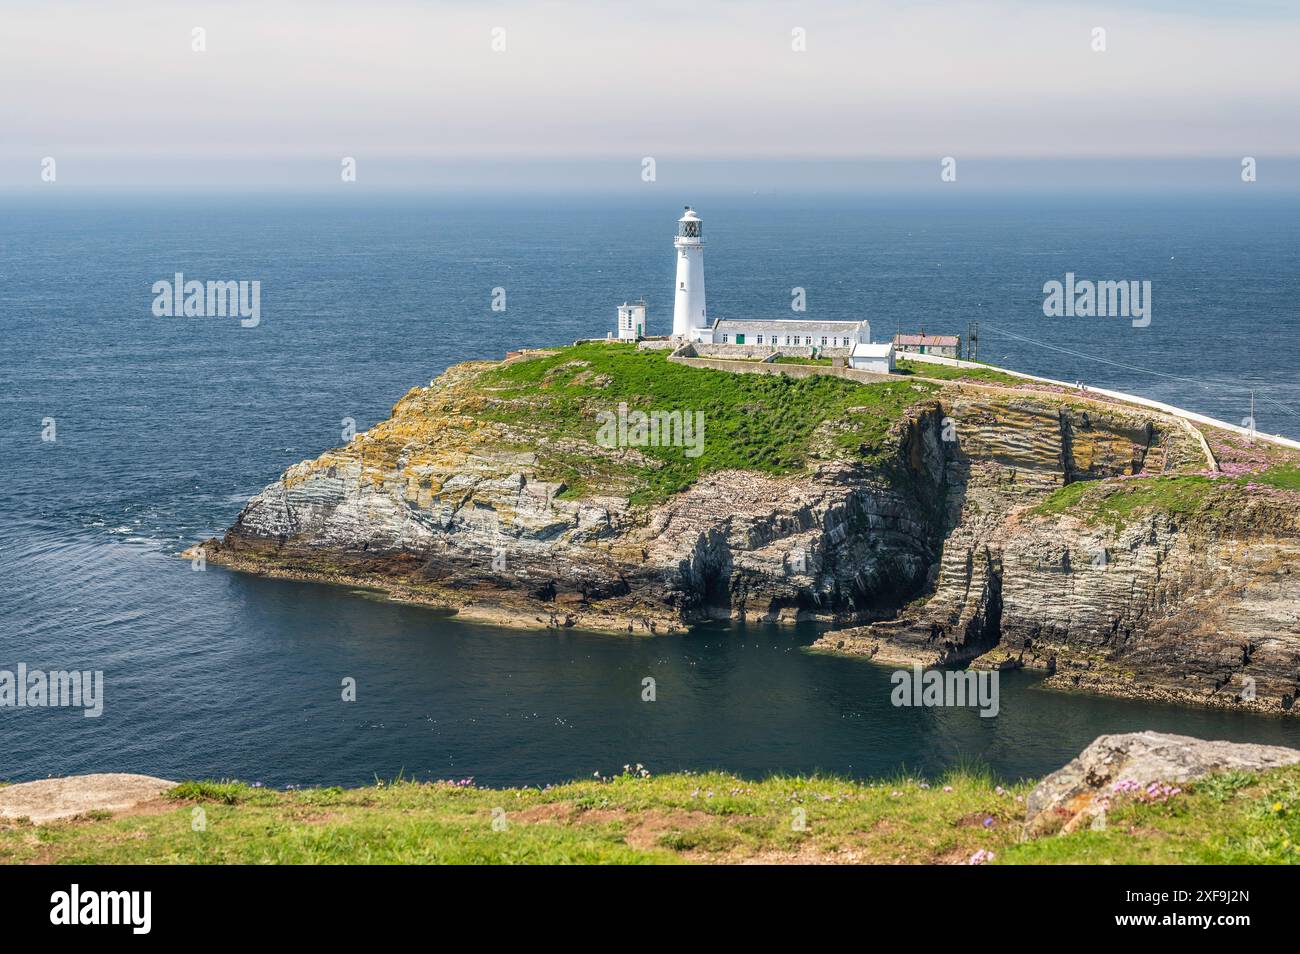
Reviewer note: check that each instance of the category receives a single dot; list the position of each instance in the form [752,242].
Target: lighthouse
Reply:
[690,320]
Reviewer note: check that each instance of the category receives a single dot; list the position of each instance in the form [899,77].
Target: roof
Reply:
[864,350]
[938,341]
[834,322]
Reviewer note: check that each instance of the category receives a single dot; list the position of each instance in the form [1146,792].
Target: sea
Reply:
[129,436]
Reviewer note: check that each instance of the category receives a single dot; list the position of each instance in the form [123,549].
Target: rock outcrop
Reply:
[55,798]
[1076,794]
[444,503]
[946,545]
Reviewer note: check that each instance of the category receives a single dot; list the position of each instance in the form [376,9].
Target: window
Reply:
[807,340]
[823,341]
[683,286]
[724,339]
[759,339]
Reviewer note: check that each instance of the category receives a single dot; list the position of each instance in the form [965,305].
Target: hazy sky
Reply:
[108,83]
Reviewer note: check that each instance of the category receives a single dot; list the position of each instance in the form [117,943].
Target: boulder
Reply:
[1072,795]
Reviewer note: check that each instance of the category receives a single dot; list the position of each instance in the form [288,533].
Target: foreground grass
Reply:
[673,818]
[772,424]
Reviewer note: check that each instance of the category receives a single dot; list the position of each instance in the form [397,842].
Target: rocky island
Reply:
[941,515]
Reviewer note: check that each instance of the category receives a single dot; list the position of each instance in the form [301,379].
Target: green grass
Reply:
[1118,503]
[944,372]
[1281,476]
[229,793]
[768,423]
[1230,819]
[791,359]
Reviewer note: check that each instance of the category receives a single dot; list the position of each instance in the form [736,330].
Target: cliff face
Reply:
[1189,595]
[945,533]
[453,501]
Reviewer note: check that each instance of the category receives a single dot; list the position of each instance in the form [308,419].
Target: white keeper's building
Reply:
[798,337]
[793,332]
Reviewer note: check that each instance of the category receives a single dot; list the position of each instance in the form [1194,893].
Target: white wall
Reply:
[1118,395]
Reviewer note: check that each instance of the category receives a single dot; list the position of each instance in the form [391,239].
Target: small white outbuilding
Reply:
[872,357]
[631,320]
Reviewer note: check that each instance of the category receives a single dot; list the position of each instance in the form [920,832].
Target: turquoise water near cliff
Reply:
[166,426]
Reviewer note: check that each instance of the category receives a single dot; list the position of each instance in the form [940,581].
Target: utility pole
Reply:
[1250,438]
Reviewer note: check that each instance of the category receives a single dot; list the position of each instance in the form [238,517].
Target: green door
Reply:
[740,339]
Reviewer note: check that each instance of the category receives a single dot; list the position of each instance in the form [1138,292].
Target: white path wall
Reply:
[1118,395]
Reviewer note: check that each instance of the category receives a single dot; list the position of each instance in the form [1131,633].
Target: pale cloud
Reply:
[590,80]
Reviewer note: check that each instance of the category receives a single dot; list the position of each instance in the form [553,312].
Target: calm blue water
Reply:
[166,426]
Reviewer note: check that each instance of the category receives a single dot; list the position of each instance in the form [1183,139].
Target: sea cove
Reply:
[211,674]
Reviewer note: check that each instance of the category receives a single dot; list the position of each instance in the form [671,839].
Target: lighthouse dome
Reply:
[690,227]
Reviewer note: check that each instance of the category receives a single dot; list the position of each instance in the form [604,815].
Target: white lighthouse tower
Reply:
[690,320]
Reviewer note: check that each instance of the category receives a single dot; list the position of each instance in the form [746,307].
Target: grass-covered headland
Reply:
[770,424]
[964,818]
